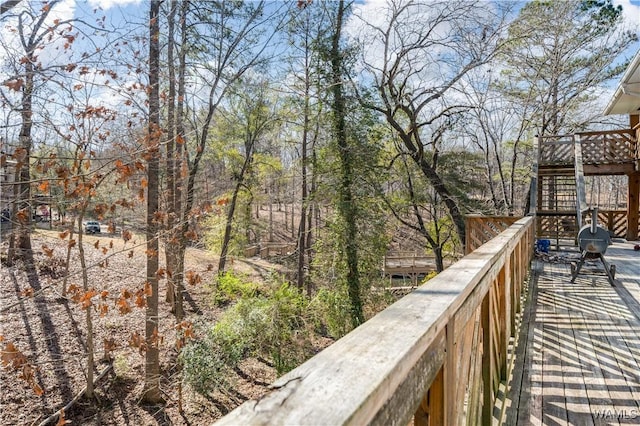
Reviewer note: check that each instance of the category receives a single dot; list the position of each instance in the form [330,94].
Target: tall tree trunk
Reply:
[22,213]
[89,320]
[231,211]
[181,216]
[170,161]
[346,206]
[151,392]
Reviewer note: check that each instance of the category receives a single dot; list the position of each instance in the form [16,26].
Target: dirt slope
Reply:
[50,330]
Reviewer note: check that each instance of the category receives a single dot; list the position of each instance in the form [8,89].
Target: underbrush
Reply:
[275,322]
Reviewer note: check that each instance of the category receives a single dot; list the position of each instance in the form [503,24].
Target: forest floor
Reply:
[50,330]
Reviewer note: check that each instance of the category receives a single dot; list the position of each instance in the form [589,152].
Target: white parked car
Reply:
[92,227]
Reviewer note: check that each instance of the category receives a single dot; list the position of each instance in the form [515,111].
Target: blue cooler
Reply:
[543,246]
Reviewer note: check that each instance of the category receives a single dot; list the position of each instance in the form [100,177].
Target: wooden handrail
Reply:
[447,339]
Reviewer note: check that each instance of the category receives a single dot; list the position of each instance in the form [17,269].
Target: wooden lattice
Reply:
[615,221]
[480,229]
[556,150]
[602,148]
[613,147]
[557,227]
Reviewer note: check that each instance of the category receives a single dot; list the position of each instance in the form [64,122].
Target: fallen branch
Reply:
[54,417]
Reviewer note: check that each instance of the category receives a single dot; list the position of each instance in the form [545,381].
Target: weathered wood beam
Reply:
[608,169]
[633,205]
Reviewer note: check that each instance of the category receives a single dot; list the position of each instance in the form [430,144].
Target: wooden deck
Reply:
[578,355]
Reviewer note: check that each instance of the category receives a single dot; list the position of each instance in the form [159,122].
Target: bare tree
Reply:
[417,58]
[151,391]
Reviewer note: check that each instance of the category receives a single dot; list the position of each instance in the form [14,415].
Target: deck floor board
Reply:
[580,362]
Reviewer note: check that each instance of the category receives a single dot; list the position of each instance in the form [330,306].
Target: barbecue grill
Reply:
[593,241]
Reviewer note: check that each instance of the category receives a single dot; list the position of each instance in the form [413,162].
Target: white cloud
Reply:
[62,11]
[108,4]
[631,12]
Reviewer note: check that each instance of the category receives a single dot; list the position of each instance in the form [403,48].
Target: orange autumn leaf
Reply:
[10,355]
[14,84]
[126,235]
[77,296]
[123,306]
[63,235]
[141,301]
[44,186]
[47,251]
[193,278]
[156,338]
[27,292]
[22,216]
[97,244]
[104,250]
[103,310]
[86,298]
[61,420]
[72,243]
[28,375]
[136,341]
[37,389]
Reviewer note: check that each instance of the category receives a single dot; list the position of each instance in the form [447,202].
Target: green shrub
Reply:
[231,287]
[205,366]
[273,326]
[333,307]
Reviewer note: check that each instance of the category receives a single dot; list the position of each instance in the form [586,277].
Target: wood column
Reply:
[633,205]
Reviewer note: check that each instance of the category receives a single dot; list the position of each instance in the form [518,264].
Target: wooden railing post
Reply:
[633,205]
[487,364]
[516,285]
[431,409]
[504,285]
[450,379]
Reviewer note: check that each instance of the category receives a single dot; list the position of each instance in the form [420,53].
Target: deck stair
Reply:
[560,200]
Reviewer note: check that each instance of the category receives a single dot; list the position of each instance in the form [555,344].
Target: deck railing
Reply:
[437,355]
[615,146]
[267,250]
[601,148]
